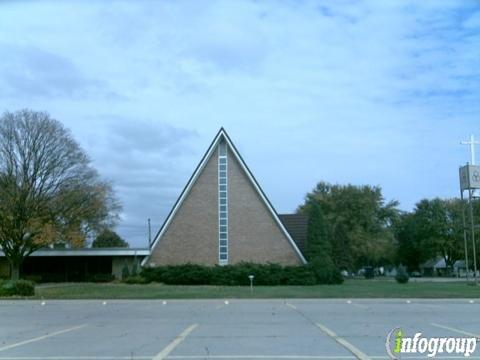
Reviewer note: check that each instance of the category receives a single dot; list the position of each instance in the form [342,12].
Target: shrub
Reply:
[298,275]
[187,274]
[101,278]
[134,271]
[33,278]
[325,271]
[136,280]
[52,277]
[402,275]
[238,275]
[17,288]
[125,271]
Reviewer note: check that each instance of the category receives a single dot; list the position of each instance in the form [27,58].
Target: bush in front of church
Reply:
[17,288]
[238,275]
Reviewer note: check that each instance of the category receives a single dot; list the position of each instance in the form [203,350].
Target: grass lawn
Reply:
[349,289]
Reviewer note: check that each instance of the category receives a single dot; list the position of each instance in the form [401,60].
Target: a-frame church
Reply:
[223,217]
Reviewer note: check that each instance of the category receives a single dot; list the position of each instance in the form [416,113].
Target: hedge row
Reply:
[17,288]
[238,275]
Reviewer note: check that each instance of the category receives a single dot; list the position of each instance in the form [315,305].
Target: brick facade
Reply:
[192,236]
[254,234]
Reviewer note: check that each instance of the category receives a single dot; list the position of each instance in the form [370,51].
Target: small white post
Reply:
[251,282]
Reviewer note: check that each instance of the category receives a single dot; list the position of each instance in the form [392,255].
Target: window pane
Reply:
[223,215]
[223,208]
[223,249]
[222,148]
[222,181]
[222,160]
[223,242]
[223,236]
[223,229]
[223,256]
[222,174]
[223,167]
[223,221]
[223,188]
[223,194]
[223,201]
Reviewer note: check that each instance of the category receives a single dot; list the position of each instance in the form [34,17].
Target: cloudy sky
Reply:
[363,92]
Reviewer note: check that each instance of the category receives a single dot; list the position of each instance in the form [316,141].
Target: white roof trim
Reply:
[222,134]
[88,252]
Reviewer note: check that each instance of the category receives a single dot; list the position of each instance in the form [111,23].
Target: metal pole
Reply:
[464,234]
[149,234]
[472,224]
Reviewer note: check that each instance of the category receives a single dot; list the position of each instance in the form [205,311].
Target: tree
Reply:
[318,244]
[108,238]
[49,192]
[359,221]
[318,248]
[434,228]
[409,250]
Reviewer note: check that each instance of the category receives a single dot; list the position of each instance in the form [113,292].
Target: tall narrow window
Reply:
[222,204]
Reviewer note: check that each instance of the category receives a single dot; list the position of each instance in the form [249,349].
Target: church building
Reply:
[223,217]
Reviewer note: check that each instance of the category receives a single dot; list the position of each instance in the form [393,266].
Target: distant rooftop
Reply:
[297,226]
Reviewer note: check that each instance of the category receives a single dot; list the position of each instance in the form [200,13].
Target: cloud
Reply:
[28,71]
[146,137]
[346,91]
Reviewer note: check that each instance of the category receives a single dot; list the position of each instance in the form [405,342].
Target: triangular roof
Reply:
[222,134]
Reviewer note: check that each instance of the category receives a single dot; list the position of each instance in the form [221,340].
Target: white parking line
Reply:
[41,337]
[355,351]
[455,330]
[170,347]
[291,306]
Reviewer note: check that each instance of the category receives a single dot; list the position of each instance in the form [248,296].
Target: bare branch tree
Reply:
[48,189]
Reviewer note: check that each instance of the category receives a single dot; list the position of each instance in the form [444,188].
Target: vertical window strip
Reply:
[222,204]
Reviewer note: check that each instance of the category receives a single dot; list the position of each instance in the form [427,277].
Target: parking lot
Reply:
[220,329]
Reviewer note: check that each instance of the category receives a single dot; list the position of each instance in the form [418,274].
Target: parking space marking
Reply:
[455,330]
[25,342]
[291,306]
[170,347]
[354,350]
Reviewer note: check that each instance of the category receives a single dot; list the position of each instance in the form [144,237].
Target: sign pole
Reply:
[465,235]
[472,224]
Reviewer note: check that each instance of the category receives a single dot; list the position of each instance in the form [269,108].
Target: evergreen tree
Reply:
[319,249]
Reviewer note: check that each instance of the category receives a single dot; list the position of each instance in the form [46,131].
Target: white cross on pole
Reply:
[472,144]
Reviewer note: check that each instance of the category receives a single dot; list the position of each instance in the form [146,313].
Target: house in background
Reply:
[224,217]
[75,264]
